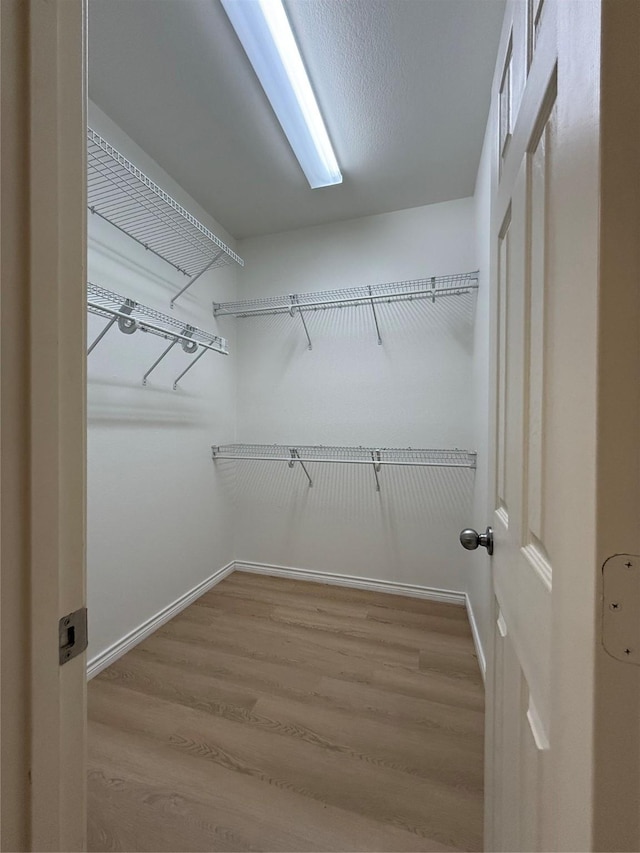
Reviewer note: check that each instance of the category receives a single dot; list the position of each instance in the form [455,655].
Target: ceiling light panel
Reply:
[267,38]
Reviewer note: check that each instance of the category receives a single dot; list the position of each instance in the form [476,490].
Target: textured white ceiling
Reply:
[403,86]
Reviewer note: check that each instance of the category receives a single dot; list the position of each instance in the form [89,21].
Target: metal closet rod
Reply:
[322,454]
[124,196]
[432,288]
[131,316]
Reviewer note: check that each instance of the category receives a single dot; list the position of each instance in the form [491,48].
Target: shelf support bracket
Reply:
[126,325]
[189,366]
[295,457]
[375,458]
[195,278]
[101,335]
[433,289]
[157,361]
[294,304]
[375,317]
[187,346]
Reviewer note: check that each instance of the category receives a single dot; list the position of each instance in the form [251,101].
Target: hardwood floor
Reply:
[280,715]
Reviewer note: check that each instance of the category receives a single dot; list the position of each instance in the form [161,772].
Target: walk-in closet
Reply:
[287,432]
[319,462]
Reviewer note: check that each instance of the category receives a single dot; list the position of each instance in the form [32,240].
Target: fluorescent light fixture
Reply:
[266,36]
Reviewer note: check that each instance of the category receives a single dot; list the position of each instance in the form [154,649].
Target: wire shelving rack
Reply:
[124,196]
[131,316]
[431,288]
[376,457]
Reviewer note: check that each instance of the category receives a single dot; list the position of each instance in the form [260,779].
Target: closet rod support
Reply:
[375,320]
[195,278]
[295,457]
[188,368]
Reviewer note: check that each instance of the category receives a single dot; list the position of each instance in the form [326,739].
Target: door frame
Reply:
[617,684]
[42,420]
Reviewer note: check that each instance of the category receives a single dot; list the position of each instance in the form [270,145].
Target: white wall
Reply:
[162,517]
[412,391]
[478,567]
[159,518]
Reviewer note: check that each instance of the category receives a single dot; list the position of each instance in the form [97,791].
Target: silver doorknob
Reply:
[470,539]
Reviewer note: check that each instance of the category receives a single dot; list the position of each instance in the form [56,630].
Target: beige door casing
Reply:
[42,420]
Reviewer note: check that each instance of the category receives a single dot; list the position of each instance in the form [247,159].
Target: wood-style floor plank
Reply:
[277,715]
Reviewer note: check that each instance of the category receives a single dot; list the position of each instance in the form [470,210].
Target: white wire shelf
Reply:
[124,196]
[376,457]
[420,288]
[432,288]
[131,316]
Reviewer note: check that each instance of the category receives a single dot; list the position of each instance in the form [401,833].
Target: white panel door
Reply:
[543,776]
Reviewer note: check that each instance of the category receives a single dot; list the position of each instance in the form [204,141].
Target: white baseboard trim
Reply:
[110,655]
[445,595]
[476,639]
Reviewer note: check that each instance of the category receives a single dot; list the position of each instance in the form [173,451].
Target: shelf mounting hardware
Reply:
[126,323]
[375,319]
[188,368]
[193,280]
[295,457]
[376,458]
[102,334]
[295,305]
[157,361]
[187,343]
